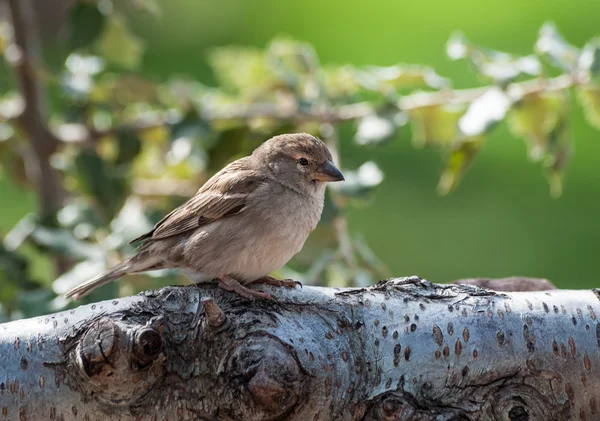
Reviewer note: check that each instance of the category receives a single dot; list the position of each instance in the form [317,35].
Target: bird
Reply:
[245,222]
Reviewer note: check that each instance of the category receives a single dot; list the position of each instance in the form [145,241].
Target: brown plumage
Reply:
[246,221]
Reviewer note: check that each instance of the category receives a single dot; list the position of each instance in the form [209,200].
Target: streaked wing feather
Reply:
[224,195]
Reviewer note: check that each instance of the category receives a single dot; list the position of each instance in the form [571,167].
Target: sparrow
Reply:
[245,222]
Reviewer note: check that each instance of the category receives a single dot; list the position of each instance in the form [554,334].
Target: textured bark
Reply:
[404,349]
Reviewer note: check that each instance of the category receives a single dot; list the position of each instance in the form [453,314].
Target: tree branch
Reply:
[333,114]
[404,349]
[34,118]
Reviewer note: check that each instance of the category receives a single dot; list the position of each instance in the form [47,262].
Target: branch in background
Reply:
[323,114]
[466,96]
[33,120]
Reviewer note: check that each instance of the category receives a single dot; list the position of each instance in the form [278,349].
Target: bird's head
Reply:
[300,160]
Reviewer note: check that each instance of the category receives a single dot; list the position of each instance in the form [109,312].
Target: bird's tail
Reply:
[97,281]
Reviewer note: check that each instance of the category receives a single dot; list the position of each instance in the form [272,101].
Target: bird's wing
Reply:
[225,194]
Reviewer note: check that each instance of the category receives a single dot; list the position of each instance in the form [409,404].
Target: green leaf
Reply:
[330,209]
[13,267]
[129,148]
[399,77]
[360,183]
[98,180]
[191,125]
[34,302]
[589,98]
[340,82]
[558,154]
[20,232]
[11,106]
[542,119]
[81,272]
[535,116]
[295,63]
[458,161]
[231,144]
[458,46]
[435,125]
[78,81]
[118,45]
[243,71]
[183,94]
[63,242]
[589,60]
[149,6]
[131,221]
[552,45]
[498,66]
[6,35]
[76,213]
[376,129]
[6,132]
[86,23]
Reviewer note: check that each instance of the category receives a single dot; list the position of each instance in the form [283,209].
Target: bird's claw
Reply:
[230,284]
[270,280]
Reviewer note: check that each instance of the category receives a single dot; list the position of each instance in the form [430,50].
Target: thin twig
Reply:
[466,96]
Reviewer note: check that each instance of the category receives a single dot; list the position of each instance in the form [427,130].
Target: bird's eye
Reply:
[303,162]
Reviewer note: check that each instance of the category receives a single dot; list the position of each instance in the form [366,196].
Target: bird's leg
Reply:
[269,280]
[230,284]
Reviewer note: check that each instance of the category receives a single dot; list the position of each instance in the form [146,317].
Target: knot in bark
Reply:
[147,346]
[396,407]
[96,347]
[118,363]
[524,403]
[264,376]
[214,317]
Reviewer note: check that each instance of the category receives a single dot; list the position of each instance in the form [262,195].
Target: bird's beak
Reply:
[328,172]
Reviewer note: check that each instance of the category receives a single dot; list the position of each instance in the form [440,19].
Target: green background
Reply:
[501,221]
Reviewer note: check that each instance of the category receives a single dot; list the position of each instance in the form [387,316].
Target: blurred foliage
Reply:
[132,147]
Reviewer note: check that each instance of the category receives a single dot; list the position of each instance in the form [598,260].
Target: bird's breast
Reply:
[259,240]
